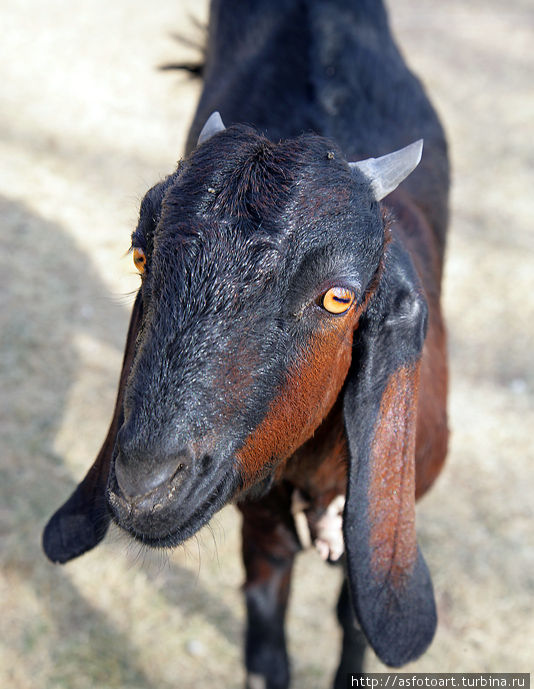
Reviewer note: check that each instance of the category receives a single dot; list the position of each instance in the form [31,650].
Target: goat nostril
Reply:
[137,479]
[174,478]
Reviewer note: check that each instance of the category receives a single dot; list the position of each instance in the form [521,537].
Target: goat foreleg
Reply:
[269,548]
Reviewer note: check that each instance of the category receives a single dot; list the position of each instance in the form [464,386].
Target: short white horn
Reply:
[213,125]
[387,172]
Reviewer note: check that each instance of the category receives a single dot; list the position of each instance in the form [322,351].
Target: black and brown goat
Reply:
[286,348]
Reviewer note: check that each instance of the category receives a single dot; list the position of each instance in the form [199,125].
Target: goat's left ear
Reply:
[389,581]
[81,523]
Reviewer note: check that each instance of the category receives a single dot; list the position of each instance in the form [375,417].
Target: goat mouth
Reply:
[180,517]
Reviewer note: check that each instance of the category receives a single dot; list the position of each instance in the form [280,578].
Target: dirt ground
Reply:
[87,124]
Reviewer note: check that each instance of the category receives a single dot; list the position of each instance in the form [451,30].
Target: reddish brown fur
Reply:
[432,430]
[392,481]
[304,402]
[310,390]
[318,466]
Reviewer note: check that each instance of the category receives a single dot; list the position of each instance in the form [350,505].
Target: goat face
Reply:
[257,261]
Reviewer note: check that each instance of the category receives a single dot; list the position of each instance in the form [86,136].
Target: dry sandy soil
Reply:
[86,125]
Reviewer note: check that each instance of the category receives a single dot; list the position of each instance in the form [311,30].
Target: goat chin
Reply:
[166,518]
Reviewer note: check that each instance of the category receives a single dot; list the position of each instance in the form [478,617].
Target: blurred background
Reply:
[87,124]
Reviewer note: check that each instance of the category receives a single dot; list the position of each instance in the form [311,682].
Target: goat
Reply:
[286,349]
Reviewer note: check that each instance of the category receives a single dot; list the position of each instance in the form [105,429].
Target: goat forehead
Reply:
[214,264]
[244,177]
[238,222]
[261,246]
[223,270]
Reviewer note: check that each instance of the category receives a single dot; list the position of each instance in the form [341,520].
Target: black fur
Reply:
[353,644]
[78,526]
[268,562]
[235,244]
[327,66]
[241,241]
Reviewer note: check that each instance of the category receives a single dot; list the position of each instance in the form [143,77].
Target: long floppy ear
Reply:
[390,584]
[81,523]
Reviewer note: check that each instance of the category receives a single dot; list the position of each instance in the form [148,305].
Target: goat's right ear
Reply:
[389,581]
[81,523]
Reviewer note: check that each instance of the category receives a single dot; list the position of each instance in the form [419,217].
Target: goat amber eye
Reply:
[338,300]
[139,259]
